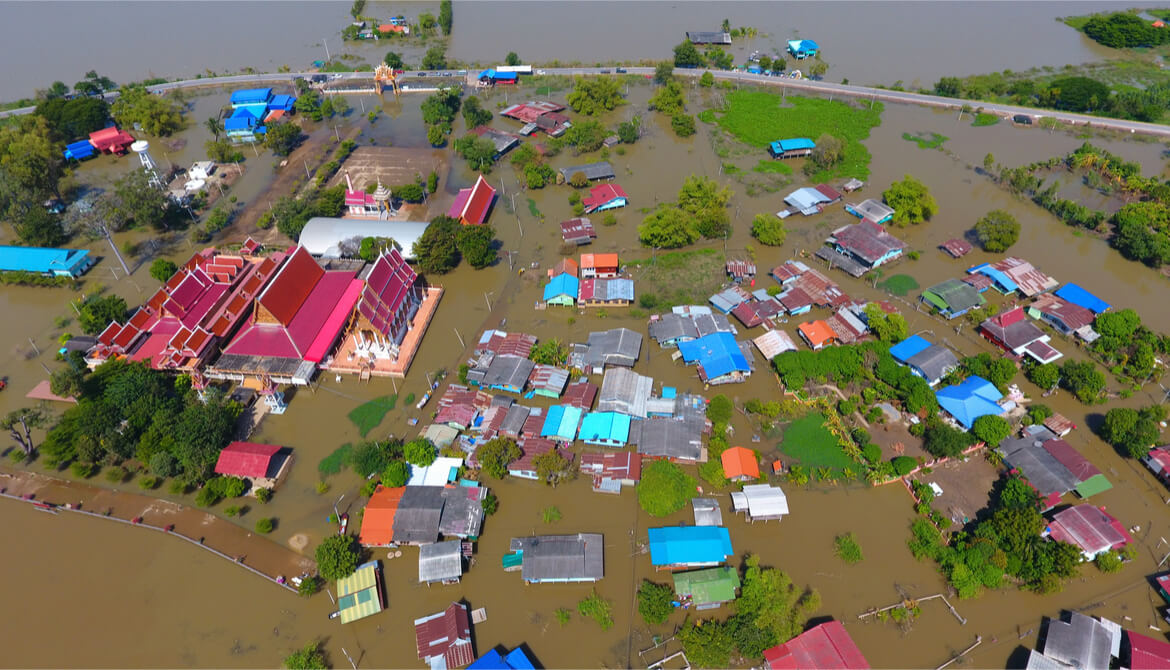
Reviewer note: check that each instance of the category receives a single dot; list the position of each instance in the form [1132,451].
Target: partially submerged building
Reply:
[599,266]
[826,646]
[794,147]
[1014,333]
[720,359]
[683,547]
[773,343]
[361,594]
[46,261]
[760,502]
[969,400]
[262,464]
[605,197]
[592,171]
[706,589]
[1053,467]
[440,562]
[472,205]
[539,115]
[606,293]
[1082,298]
[953,298]
[707,512]
[866,244]
[1089,528]
[874,211]
[425,513]
[617,347]
[443,639]
[612,470]
[1016,275]
[557,558]
[1066,317]
[740,464]
[932,362]
[607,429]
[562,290]
[625,391]
[578,231]
[1078,641]
[677,440]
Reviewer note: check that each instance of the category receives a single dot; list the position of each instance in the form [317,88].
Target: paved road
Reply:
[803,85]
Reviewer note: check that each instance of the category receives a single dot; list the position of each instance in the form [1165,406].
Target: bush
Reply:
[265,525]
[597,608]
[396,474]
[263,495]
[847,549]
[146,482]
[683,124]
[162,269]
[665,488]
[720,409]
[903,465]
[654,602]
[872,453]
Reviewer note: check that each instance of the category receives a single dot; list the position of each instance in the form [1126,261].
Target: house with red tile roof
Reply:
[444,639]
[299,316]
[603,197]
[824,647]
[472,205]
[249,460]
[612,470]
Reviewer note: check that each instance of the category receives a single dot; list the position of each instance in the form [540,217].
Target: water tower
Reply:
[142,148]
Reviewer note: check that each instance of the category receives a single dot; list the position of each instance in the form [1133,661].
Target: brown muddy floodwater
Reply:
[176,607]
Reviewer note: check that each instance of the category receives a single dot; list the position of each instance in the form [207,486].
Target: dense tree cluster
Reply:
[595,95]
[701,211]
[1076,93]
[769,229]
[74,119]
[495,455]
[911,201]
[155,114]
[997,231]
[664,489]
[292,213]
[1124,30]
[585,136]
[870,364]
[1133,432]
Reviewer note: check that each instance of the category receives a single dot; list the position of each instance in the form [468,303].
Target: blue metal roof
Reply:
[973,398]
[241,119]
[44,259]
[1082,298]
[680,545]
[718,354]
[564,284]
[251,96]
[802,46]
[489,73]
[515,660]
[620,289]
[282,101]
[561,422]
[503,76]
[793,144]
[1002,281]
[605,426]
[78,150]
[907,348]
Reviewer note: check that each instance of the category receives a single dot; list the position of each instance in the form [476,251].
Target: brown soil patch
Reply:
[966,487]
[299,541]
[394,166]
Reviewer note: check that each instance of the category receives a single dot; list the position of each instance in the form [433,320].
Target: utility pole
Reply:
[349,658]
[117,254]
[327,56]
[307,175]
[461,343]
[488,302]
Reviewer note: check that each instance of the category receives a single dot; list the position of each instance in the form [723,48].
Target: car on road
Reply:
[448,74]
[541,72]
[336,76]
[421,74]
[605,71]
[621,70]
[462,73]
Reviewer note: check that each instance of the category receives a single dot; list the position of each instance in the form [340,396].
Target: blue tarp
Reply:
[968,401]
[907,348]
[251,96]
[693,545]
[1082,298]
[605,427]
[562,284]
[79,150]
[718,354]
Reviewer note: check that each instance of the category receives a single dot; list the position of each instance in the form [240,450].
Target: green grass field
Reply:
[367,417]
[985,119]
[707,116]
[899,285]
[756,118]
[926,140]
[769,166]
[813,446]
[332,464]
[680,277]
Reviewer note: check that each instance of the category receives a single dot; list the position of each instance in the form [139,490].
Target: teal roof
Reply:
[562,284]
[605,426]
[689,545]
[47,260]
[793,144]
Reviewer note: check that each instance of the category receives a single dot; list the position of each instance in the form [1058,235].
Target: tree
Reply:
[770,600]
[477,244]
[393,59]
[717,58]
[1130,431]
[1082,379]
[887,327]
[445,16]
[435,58]
[66,381]
[30,165]
[708,645]
[474,114]
[512,59]
[991,429]
[479,152]
[432,182]
[592,96]
[409,192]
[282,138]
[427,23]
[911,201]
[39,227]
[71,119]
[436,251]
[702,198]
[396,474]
[667,228]
[308,657]
[495,455]
[357,8]
[98,311]
[162,269]
[654,602]
[686,55]
[435,135]
[663,72]
[538,175]
[585,136]
[627,132]
[943,440]
[1046,375]
[950,87]
[707,80]
[553,468]
[769,230]
[20,422]
[441,106]
[337,556]
[137,199]
[720,409]
[419,452]
[578,180]
[683,125]
[550,352]
[829,151]
[997,231]
[664,489]
[668,99]
[156,114]
[1078,94]
[818,68]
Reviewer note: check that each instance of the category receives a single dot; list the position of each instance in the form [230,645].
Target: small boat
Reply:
[423,401]
[344,523]
[334,615]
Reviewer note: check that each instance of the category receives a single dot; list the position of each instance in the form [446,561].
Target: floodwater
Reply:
[866,42]
[216,614]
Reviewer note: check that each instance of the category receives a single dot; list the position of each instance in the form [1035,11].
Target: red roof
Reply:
[580,394]
[599,261]
[472,204]
[388,289]
[291,286]
[956,247]
[613,465]
[245,459]
[1072,316]
[829,192]
[826,647]
[1146,653]
[446,634]
[579,228]
[602,194]
[1090,528]
[529,450]
[747,315]
[1071,459]
[111,139]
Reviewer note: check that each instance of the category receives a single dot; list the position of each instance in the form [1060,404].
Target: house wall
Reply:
[562,300]
[888,257]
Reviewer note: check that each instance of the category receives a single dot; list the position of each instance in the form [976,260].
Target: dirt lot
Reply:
[966,486]
[391,165]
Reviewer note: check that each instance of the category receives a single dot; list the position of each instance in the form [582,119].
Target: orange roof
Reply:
[378,519]
[599,260]
[292,285]
[816,332]
[740,462]
[391,28]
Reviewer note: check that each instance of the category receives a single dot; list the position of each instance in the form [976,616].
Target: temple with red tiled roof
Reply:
[472,205]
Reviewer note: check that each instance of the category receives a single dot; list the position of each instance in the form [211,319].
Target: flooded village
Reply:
[490,365]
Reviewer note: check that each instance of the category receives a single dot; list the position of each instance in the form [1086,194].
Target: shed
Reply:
[560,558]
[956,248]
[79,150]
[1059,425]
[675,547]
[760,502]
[360,594]
[592,171]
[740,464]
[440,562]
[871,210]
[806,200]
[707,512]
[707,589]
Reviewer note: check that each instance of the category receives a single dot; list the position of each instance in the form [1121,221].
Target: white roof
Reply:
[435,474]
[773,343]
[761,500]
[323,236]
[805,198]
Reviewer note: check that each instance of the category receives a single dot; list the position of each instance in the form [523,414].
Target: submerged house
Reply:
[817,334]
[1158,461]
[1066,317]
[1015,334]
[706,589]
[625,391]
[1013,275]
[263,464]
[578,231]
[932,362]
[801,49]
[1082,298]
[795,147]
[604,197]
[361,594]
[874,211]
[592,171]
[472,205]
[720,359]
[867,243]
[599,266]
[773,343]
[676,440]
[1090,528]
[612,470]
[606,348]
[426,512]
[973,398]
[512,660]
[1052,466]
[1079,642]
[546,559]
[561,422]
[377,528]
[826,646]
[444,639]
[606,292]
[531,447]
[953,298]
[562,290]
[46,261]
[539,115]
[607,429]
[440,562]
[682,547]
[708,37]
[740,464]
[760,502]
[111,140]
[502,141]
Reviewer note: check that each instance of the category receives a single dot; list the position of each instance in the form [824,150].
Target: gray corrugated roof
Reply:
[514,421]
[417,518]
[463,512]
[509,371]
[602,170]
[561,557]
[934,361]
[440,561]
[617,346]
[1081,642]
[624,391]
[707,512]
[1041,468]
[672,327]
[670,438]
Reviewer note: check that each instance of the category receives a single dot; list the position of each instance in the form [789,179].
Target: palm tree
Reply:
[214,127]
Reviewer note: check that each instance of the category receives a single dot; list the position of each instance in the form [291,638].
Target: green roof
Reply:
[359,595]
[954,295]
[1093,485]
[713,585]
